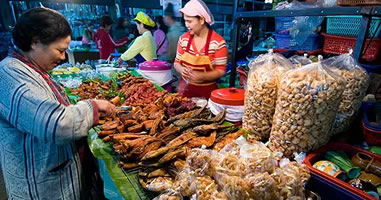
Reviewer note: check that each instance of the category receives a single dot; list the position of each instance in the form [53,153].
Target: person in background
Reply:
[246,40]
[88,34]
[161,39]
[38,125]
[144,47]
[120,30]
[201,52]
[104,42]
[174,32]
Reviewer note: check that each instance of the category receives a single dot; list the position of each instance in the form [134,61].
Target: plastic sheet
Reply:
[127,185]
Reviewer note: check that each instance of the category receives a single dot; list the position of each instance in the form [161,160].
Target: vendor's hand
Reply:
[106,107]
[120,61]
[196,76]
[185,73]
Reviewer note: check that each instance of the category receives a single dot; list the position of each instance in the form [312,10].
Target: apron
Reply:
[139,59]
[198,63]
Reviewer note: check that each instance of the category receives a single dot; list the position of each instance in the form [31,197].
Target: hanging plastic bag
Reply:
[307,102]
[261,93]
[300,61]
[357,82]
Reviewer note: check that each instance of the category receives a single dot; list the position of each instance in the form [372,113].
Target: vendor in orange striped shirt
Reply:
[201,52]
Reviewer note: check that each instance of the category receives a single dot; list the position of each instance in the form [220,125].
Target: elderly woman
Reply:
[201,53]
[38,126]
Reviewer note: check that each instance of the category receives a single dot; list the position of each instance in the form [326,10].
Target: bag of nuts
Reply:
[357,82]
[261,94]
[308,99]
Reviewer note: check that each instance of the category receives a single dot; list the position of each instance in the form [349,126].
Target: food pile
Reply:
[241,170]
[149,138]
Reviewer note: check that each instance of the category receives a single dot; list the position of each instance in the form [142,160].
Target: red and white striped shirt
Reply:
[218,52]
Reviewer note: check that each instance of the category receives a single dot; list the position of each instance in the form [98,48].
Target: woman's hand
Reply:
[196,76]
[106,107]
[120,61]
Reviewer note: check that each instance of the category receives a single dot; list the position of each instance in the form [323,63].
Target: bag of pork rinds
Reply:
[308,99]
[357,82]
[261,93]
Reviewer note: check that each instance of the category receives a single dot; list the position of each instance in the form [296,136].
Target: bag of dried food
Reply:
[357,81]
[308,99]
[261,93]
[258,158]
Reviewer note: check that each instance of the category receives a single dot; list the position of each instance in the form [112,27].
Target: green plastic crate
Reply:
[349,25]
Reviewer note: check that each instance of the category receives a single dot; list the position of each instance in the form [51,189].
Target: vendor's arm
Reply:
[118,44]
[179,52]
[27,105]
[134,50]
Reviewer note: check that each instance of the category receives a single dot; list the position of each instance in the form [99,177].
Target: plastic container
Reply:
[372,137]
[158,72]
[348,25]
[287,42]
[231,99]
[358,2]
[329,190]
[372,68]
[340,44]
[341,187]
[283,23]
[376,110]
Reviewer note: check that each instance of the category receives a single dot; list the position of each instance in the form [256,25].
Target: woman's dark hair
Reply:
[150,28]
[106,20]
[207,25]
[163,27]
[119,23]
[39,25]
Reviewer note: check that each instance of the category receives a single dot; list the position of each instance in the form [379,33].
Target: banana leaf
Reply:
[117,183]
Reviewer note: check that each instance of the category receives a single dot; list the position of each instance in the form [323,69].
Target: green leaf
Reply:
[128,185]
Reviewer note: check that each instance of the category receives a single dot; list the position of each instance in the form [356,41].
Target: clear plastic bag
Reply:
[308,99]
[300,61]
[261,93]
[235,173]
[258,158]
[262,186]
[357,82]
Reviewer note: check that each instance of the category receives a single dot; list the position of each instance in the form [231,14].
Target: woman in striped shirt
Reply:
[38,125]
[201,52]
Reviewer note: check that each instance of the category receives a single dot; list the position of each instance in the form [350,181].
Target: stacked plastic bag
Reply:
[241,170]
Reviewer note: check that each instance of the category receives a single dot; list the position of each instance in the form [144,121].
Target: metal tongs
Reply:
[124,108]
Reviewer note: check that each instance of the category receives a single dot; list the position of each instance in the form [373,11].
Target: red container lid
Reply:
[155,65]
[228,96]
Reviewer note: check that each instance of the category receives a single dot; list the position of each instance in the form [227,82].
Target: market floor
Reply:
[3,194]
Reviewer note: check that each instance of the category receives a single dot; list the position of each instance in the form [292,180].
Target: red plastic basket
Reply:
[358,2]
[340,44]
[372,137]
[318,154]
